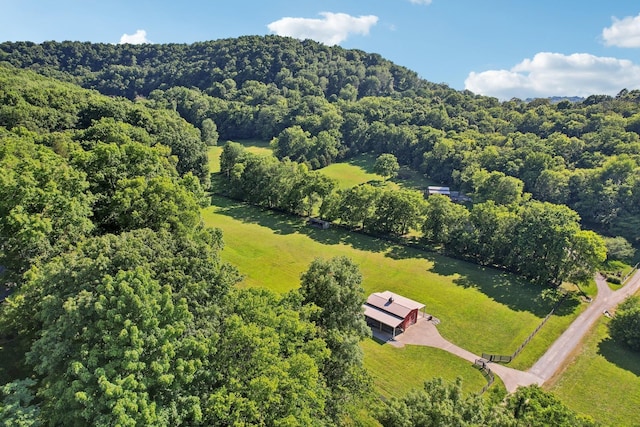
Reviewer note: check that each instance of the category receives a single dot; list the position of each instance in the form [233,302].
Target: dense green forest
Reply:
[320,104]
[121,311]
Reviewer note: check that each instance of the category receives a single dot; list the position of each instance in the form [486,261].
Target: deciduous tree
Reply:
[335,287]
[386,165]
[625,326]
[45,206]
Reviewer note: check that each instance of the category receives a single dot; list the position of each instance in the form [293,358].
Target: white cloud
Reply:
[555,74]
[420,1]
[140,37]
[332,29]
[623,32]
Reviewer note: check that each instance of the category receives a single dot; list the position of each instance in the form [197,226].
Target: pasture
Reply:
[359,170]
[481,309]
[354,171]
[603,380]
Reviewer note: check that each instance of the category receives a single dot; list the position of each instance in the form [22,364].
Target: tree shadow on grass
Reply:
[284,224]
[276,221]
[503,287]
[364,161]
[568,306]
[340,236]
[399,252]
[507,291]
[620,355]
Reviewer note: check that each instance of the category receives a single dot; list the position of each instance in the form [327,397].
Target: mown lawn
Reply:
[398,370]
[481,309]
[603,381]
[213,155]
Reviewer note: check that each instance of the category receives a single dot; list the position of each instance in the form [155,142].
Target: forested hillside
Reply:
[132,70]
[119,309]
[320,104]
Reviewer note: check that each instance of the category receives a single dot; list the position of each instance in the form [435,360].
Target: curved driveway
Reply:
[425,333]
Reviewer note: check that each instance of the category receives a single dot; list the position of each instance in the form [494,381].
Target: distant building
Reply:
[455,196]
[391,312]
[445,191]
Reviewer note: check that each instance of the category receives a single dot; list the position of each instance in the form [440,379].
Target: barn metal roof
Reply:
[382,316]
[393,303]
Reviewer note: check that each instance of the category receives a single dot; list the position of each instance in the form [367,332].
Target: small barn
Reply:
[391,312]
[445,191]
[455,196]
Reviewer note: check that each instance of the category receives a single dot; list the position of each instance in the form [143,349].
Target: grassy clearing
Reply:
[213,155]
[482,310]
[260,148]
[355,171]
[359,170]
[398,370]
[603,381]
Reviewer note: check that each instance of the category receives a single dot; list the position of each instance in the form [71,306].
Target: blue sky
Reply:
[501,48]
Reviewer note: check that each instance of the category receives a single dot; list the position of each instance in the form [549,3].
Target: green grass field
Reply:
[481,309]
[354,171]
[396,370]
[213,154]
[603,381]
[359,170]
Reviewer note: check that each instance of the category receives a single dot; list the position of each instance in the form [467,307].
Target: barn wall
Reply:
[410,319]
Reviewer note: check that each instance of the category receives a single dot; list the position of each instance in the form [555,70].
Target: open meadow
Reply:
[354,171]
[481,309]
[359,170]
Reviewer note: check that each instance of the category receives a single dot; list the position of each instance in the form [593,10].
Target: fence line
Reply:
[507,359]
[486,372]
[633,270]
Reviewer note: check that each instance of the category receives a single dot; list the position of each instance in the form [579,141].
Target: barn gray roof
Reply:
[382,316]
[393,303]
